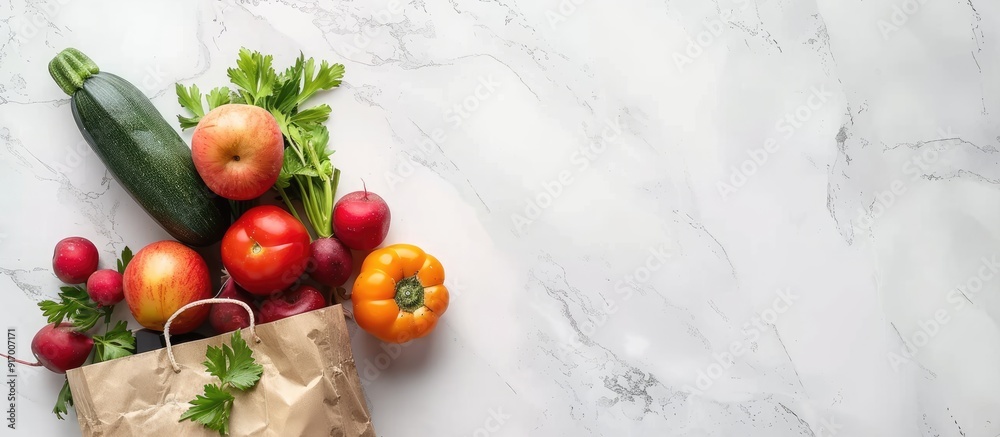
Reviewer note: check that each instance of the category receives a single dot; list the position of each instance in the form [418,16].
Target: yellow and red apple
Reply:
[162,278]
[238,150]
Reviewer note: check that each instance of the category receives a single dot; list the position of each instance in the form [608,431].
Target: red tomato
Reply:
[266,250]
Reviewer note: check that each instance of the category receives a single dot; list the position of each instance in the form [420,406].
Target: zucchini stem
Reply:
[70,68]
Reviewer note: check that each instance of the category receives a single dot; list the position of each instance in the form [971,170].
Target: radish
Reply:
[330,262]
[228,317]
[58,348]
[74,260]
[105,287]
[361,220]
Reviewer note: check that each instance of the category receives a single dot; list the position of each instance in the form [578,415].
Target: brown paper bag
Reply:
[310,386]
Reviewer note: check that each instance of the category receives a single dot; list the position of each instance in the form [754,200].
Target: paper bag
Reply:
[309,387]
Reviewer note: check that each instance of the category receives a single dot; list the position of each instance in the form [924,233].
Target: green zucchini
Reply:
[144,154]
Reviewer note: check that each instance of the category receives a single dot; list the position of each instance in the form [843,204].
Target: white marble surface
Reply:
[597,308]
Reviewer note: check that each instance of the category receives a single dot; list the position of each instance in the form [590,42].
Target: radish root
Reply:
[10,358]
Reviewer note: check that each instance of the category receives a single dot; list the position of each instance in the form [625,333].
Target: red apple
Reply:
[361,220]
[74,260]
[228,317]
[238,149]
[290,303]
[105,287]
[163,277]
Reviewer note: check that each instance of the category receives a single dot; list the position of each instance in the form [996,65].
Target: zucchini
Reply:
[144,154]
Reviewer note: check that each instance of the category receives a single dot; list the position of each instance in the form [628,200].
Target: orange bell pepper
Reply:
[399,294]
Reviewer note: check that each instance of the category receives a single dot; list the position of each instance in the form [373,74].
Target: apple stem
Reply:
[365,187]
[10,358]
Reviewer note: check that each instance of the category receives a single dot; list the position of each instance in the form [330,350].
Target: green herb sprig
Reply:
[235,368]
[74,305]
[118,342]
[125,258]
[64,399]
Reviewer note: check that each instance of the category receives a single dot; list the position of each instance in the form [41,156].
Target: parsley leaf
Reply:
[328,76]
[211,409]
[190,99]
[116,343]
[293,166]
[318,138]
[286,96]
[236,368]
[287,169]
[236,97]
[74,305]
[254,75]
[312,116]
[218,97]
[65,398]
[124,260]
[283,123]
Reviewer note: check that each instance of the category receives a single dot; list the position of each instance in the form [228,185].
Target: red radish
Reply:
[105,287]
[74,260]
[228,317]
[361,220]
[291,303]
[60,348]
[330,262]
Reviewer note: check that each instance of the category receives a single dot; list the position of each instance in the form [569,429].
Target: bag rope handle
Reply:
[166,327]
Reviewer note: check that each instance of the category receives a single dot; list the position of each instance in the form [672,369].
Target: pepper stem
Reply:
[409,294]
[70,68]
